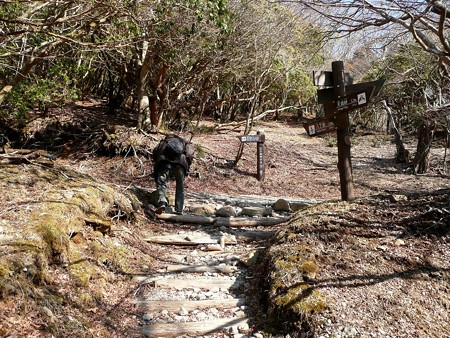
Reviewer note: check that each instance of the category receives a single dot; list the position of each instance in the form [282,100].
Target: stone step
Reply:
[175,305]
[193,328]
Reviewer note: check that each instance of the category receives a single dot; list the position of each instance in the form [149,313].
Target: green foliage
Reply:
[414,84]
[201,47]
[11,10]
[58,86]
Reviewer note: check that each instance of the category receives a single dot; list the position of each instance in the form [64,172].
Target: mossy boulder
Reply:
[293,299]
[58,210]
[292,267]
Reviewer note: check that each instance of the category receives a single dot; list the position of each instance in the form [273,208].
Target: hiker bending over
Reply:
[172,157]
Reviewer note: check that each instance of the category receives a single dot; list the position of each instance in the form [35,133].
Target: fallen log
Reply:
[249,221]
[224,221]
[192,219]
[24,156]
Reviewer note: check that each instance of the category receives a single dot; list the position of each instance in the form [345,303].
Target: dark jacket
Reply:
[183,153]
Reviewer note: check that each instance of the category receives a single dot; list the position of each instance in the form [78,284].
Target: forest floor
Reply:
[383,260]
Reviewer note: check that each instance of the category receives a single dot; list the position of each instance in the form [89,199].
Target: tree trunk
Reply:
[142,98]
[447,143]
[425,138]
[402,155]
[248,128]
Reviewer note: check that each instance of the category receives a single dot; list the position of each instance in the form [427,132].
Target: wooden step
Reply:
[202,283]
[175,305]
[209,326]
[191,239]
[223,268]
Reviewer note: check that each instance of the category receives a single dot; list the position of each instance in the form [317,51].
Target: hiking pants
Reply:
[162,177]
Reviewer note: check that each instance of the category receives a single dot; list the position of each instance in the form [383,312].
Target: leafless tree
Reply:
[425,21]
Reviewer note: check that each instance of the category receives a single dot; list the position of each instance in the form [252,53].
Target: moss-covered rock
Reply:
[63,227]
[292,268]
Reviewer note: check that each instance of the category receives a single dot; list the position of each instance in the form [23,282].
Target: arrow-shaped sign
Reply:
[327,95]
[319,127]
[353,101]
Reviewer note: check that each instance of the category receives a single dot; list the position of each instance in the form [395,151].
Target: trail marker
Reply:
[319,127]
[342,97]
[353,101]
[259,138]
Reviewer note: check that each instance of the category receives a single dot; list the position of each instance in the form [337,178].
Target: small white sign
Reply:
[362,99]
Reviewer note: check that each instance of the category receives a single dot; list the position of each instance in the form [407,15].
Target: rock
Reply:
[47,311]
[214,311]
[147,316]
[397,198]
[399,242]
[204,209]
[201,316]
[382,247]
[244,327]
[201,296]
[226,211]
[214,247]
[281,205]
[250,258]
[233,330]
[256,211]
[183,311]
[296,206]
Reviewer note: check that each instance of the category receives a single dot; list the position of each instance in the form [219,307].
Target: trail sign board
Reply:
[259,139]
[327,94]
[342,97]
[252,138]
[353,101]
[319,127]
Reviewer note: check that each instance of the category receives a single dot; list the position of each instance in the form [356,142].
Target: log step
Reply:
[209,326]
[202,283]
[223,268]
[191,239]
[175,305]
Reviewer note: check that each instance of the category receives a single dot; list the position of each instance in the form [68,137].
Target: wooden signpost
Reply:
[342,97]
[319,127]
[259,139]
[327,94]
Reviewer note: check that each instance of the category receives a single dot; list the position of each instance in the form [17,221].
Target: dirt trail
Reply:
[93,295]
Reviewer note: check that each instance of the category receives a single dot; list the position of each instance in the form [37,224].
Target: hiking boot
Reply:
[161,208]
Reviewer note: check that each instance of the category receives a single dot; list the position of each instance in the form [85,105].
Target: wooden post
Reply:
[259,138]
[260,156]
[343,136]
